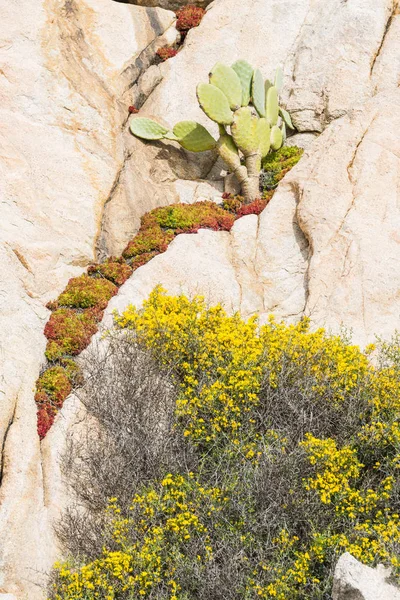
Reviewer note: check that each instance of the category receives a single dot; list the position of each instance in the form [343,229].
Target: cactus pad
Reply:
[283,129]
[264,134]
[214,103]
[272,106]
[258,92]
[276,138]
[286,117]
[193,136]
[147,129]
[227,80]
[228,152]
[245,131]
[170,136]
[245,74]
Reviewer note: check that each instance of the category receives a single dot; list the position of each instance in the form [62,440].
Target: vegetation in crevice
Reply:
[270,451]
[79,308]
[188,17]
[251,123]
[276,165]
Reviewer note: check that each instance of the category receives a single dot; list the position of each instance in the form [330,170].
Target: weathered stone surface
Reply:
[64,66]
[355,581]
[335,56]
[327,245]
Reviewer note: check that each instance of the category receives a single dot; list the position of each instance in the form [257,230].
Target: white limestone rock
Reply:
[64,67]
[355,581]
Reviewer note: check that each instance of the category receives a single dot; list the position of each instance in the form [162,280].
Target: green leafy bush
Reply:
[281,453]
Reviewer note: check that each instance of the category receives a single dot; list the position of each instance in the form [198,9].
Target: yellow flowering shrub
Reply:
[293,440]
[149,543]
[218,359]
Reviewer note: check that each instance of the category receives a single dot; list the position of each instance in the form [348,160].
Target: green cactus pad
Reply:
[264,133]
[272,106]
[279,79]
[193,136]
[258,92]
[245,131]
[286,117]
[276,138]
[245,74]
[283,129]
[267,85]
[228,152]
[147,129]
[227,80]
[214,103]
[170,136]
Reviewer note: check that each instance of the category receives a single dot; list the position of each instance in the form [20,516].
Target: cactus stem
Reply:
[251,187]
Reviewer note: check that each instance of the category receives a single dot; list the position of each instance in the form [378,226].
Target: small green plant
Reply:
[236,97]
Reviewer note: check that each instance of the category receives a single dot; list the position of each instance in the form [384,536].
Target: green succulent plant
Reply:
[237,98]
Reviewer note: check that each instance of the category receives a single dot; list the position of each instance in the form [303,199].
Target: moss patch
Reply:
[87,292]
[160,226]
[113,269]
[277,164]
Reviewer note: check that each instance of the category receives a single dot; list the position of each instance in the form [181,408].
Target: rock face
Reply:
[327,245]
[74,184]
[168,4]
[354,581]
[64,68]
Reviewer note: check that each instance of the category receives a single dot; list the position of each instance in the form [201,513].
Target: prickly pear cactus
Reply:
[193,136]
[250,121]
[147,129]
[214,103]
[227,80]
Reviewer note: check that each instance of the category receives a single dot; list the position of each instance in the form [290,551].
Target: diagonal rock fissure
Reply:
[3,445]
[389,21]
[100,245]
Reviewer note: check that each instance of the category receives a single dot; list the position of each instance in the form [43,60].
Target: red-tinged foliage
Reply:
[153,239]
[189,16]
[254,208]
[142,259]
[87,292]
[114,269]
[133,110]
[69,331]
[53,386]
[166,52]
[52,305]
[45,419]
[232,203]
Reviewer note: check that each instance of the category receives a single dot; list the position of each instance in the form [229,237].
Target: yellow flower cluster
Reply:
[219,359]
[161,522]
[335,366]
